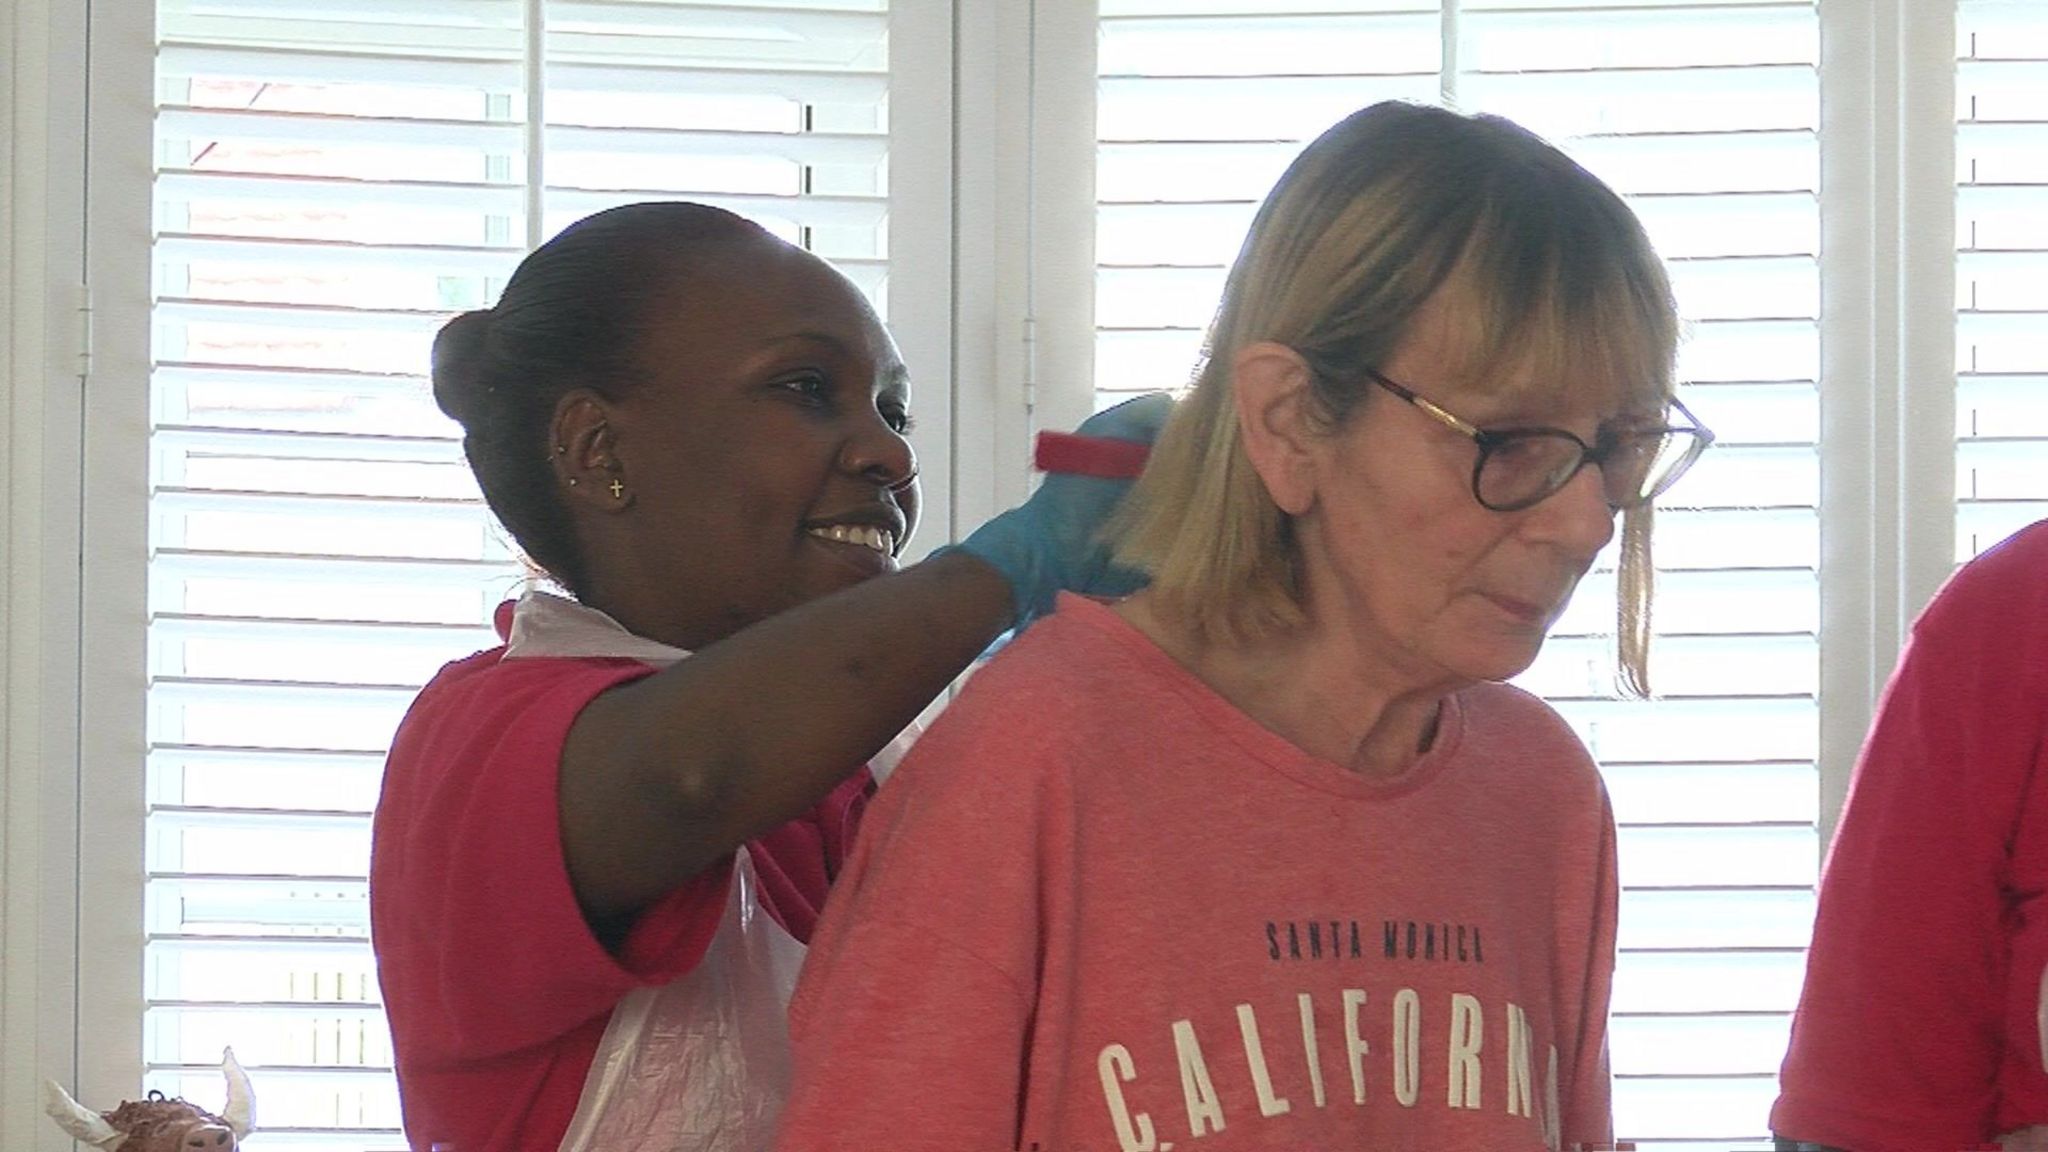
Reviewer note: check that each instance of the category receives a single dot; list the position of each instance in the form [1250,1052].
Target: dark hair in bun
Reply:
[458,358]
[571,317]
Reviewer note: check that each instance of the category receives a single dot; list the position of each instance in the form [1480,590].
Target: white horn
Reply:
[78,1121]
[240,1111]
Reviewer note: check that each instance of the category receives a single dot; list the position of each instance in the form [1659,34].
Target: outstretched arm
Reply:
[664,777]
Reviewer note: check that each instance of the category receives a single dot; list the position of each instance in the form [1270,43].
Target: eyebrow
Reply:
[896,377]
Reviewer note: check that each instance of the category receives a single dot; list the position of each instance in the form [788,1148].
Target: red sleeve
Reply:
[1898,1038]
[481,947]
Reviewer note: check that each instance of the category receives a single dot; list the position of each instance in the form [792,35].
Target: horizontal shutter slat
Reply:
[1662,922]
[184,185]
[797,148]
[1734,792]
[795,85]
[301,253]
[826,211]
[327,948]
[289,445]
[1715,1044]
[180,122]
[302,65]
[324,567]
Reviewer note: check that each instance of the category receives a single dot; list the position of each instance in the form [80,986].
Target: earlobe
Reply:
[1270,385]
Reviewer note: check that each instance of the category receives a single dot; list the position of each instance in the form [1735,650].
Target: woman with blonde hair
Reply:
[1266,856]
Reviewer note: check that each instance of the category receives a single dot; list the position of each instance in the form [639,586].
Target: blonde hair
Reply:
[1541,267]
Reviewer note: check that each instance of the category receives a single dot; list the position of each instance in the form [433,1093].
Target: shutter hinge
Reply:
[82,318]
[1030,365]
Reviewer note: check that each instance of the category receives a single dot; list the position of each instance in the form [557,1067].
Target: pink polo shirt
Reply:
[496,989]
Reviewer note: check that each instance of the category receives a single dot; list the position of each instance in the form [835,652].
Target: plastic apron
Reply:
[701,1064]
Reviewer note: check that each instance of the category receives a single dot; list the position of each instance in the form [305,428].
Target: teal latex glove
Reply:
[1053,541]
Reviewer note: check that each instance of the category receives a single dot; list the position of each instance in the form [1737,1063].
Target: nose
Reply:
[210,1138]
[879,454]
[1576,517]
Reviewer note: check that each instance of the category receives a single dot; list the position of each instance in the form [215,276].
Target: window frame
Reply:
[41,245]
[1888,456]
[69,995]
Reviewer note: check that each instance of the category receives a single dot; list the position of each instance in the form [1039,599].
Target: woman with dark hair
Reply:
[697,431]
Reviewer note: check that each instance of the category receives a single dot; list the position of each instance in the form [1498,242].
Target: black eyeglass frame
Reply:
[1490,440]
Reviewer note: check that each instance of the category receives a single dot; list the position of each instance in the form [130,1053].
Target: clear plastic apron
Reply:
[701,1064]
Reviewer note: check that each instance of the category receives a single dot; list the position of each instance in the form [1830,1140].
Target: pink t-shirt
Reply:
[1100,908]
[496,989]
[1926,1001]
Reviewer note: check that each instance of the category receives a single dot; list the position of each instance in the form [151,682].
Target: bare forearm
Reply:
[756,728]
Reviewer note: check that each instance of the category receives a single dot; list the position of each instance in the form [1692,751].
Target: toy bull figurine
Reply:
[157,1124]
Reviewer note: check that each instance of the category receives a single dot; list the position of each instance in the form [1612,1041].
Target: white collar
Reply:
[544,624]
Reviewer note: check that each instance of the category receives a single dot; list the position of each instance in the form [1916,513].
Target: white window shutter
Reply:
[776,111]
[335,181]
[1201,106]
[2002,271]
[1705,116]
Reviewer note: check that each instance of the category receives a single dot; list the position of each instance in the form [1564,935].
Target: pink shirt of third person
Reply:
[1924,1019]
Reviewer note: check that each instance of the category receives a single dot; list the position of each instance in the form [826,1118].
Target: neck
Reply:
[647,616]
[1316,686]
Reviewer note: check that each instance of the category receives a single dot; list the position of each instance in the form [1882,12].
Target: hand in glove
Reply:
[1053,541]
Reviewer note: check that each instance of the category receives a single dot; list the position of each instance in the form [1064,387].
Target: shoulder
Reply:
[1987,626]
[486,714]
[1080,650]
[474,695]
[1504,719]
[2019,558]
[1075,668]
[488,676]
[1516,738]
[1027,720]
[2001,594]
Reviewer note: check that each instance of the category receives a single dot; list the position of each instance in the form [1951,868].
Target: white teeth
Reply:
[876,538]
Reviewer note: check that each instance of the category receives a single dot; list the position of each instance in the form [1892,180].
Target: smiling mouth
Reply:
[859,535]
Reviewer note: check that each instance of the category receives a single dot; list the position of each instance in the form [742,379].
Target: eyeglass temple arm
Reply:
[1698,428]
[1409,395]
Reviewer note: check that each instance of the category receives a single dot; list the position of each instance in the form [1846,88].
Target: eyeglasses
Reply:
[1521,467]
